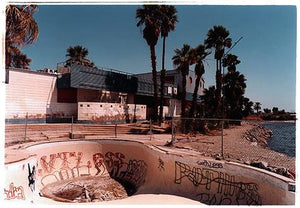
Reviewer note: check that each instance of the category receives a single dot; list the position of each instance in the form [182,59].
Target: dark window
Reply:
[169,79]
[66,95]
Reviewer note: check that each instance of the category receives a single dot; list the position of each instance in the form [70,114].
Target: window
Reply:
[66,95]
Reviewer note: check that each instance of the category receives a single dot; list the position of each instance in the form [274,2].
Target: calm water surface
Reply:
[284,137]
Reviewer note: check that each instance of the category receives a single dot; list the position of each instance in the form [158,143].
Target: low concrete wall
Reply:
[99,111]
[149,170]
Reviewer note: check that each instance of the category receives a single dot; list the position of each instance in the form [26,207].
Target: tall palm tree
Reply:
[233,90]
[78,56]
[200,55]
[217,38]
[182,60]
[168,20]
[148,17]
[257,106]
[230,61]
[21,29]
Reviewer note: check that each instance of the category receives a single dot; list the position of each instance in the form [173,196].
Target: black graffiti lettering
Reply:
[227,188]
[209,164]
[31,177]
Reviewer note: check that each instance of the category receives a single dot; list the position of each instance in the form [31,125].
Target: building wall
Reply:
[100,112]
[36,94]
[178,81]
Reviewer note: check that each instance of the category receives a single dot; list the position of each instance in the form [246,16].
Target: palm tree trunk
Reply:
[162,82]
[194,101]
[183,95]
[154,79]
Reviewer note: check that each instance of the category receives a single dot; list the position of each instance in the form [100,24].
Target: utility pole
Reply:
[223,113]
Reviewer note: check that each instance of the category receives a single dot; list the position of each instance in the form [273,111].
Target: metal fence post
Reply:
[172,127]
[115,130]
[72,135]
[222,147]
[150,132]
[26,118]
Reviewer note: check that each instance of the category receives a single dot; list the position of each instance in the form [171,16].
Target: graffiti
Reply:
[209,164]
[98,162]
[31,177]
[224,184]
[114,160]
[134,171]
[64,158]
[14,192]
[58,167]
[212,199]
[161,164]
[64,174]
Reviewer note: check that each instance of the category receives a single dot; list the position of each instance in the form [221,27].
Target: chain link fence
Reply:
[268,145]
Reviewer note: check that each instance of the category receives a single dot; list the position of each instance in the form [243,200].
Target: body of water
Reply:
[284,137]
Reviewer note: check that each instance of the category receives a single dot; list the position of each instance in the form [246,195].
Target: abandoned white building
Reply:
[89,94]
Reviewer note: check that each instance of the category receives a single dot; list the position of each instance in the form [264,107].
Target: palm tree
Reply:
[233,90]
[200,55]
[257,106]
[210,102]
[21,29]
[78,56]
[234,85]
[20,60]
[247,107]
[168,21]
[217,38]
[148,17]
[230,61]
[182,60]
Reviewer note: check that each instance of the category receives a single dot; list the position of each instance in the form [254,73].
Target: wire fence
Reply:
[270,146]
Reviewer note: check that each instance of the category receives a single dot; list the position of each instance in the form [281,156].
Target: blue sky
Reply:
[267,50]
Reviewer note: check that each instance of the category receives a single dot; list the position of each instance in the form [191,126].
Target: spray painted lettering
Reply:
[14,192]
[31,177]
[209,164]
[222,185]
[60,160]
[161,164]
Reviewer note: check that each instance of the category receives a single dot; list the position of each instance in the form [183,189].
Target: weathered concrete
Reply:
[151,170]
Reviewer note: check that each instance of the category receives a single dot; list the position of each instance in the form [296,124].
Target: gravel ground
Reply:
[244,144]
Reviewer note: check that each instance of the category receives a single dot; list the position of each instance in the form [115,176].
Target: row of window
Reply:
[88,105]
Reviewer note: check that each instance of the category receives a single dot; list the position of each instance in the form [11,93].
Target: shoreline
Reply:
[278,121]
[239,149]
